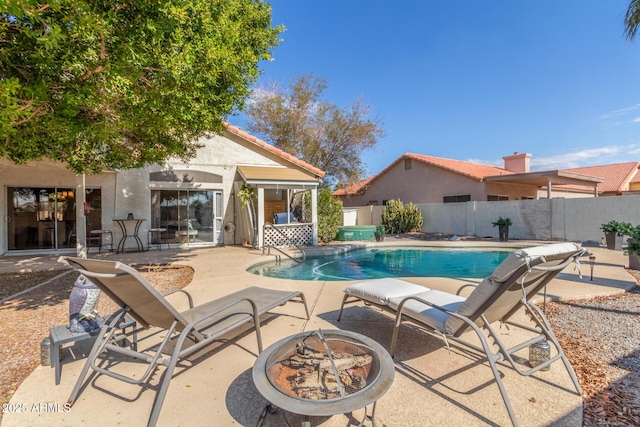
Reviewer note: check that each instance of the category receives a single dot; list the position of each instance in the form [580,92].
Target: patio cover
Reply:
[549,178]
[265,176]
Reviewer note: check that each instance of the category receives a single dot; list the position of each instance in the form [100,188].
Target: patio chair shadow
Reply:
[419,342]
[360,319]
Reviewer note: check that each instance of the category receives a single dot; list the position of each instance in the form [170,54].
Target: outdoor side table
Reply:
[129,228]
[62,335]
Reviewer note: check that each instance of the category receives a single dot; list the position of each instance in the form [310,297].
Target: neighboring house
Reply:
[619,178]
[418,178]
[194,202]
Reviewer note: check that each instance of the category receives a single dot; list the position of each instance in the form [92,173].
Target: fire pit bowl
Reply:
[323,373]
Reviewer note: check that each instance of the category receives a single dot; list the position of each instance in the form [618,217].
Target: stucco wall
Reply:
[572,219]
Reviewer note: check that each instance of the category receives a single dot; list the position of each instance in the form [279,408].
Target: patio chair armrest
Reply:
[437,307]
[472,285]
[164,294]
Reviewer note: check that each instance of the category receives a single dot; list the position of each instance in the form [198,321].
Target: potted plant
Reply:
[503,228]
[614,231]
[633,248]
[379,233]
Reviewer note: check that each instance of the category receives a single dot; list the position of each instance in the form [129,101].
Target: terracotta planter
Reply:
[614,242]
[503,231]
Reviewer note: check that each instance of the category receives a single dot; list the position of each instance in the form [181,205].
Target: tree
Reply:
[297,120]
[632,20]
[329,214]
[98,83]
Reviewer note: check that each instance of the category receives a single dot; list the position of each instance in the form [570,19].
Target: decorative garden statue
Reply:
[82,302]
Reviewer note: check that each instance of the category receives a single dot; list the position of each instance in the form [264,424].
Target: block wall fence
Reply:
[577,219]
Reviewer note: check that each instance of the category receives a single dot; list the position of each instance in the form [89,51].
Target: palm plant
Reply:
[632,20]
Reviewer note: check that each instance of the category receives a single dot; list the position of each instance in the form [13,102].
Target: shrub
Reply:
[412,217]
[329,214]
[633,244]
[392,216]
[502,222]
[398,218]
[621,228]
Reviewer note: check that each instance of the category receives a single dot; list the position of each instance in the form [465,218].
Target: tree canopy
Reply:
[121,84]
[632,20]
[298,120]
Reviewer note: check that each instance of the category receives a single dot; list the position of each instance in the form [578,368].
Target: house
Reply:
[619,178]
[193,203]
[418,179]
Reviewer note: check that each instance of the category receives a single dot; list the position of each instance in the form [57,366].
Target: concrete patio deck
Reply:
[432,386]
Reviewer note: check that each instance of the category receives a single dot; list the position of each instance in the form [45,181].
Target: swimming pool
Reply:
[455,262]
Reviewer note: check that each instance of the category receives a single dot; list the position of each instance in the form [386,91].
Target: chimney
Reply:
[518,162]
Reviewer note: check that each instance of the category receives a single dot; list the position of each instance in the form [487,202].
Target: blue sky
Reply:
[474,80]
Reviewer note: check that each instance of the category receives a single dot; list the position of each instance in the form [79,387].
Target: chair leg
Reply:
[344,300]
[304,302]
[543,323]
[95,350]
[168,373]
[491,358]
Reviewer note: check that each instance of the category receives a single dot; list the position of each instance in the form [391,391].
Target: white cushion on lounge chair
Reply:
[428,315]
[519,257]
[379,291]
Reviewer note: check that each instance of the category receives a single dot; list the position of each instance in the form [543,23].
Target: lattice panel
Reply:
[300,234]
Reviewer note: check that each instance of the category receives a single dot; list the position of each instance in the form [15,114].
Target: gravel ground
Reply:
[26,318]
[601,337]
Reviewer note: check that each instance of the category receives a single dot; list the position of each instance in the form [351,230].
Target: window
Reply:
[188,216]
[407,164]
[372,203]
[457,199]
[491,198]
[527,198]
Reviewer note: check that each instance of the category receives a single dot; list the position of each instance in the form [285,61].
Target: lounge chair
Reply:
[499,296]
[186,331]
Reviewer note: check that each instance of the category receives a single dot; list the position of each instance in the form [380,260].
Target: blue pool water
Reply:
[390,262]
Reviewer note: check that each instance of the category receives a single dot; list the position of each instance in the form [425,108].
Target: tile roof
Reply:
[616,176]
[284,155]
[355,188]
[472,170]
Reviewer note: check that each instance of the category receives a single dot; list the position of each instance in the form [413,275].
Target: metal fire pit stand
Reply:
[308,407]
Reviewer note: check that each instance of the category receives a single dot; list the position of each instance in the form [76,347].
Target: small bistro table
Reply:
[129,228]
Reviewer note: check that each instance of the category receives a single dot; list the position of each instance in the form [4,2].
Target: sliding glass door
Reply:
[45,217]
[188,216]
